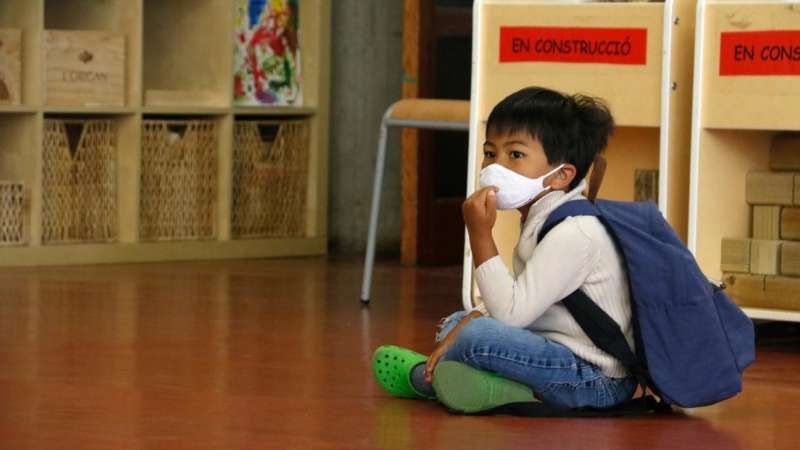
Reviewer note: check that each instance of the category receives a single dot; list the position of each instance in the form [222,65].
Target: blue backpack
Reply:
[692,341]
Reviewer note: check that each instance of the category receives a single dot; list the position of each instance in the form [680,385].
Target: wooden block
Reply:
[796,188]
[765,257]
[10,75]
[745,289]
[770,188]
[84,68]
[784,154]
[767,222]
[735,255]
[790,223]
[645,185]
[790,258]
[782,293]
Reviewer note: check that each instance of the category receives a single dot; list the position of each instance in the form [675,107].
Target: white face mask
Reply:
[515,190]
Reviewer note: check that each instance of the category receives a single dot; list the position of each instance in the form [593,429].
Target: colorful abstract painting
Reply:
[266,53]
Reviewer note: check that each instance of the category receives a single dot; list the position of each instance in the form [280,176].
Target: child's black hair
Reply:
[572,128]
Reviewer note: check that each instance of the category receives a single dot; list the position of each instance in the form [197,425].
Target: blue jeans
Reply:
[555,374]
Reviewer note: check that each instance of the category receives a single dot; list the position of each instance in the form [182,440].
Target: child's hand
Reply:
[480,211]
[448,340]
[437,355]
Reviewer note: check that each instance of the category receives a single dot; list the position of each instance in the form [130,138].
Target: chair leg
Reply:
[373,217]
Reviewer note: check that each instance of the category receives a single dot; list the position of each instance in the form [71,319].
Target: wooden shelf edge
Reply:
[164,110]
[650,5]
[772,314]
[636,125]
[88,109]
[114,253]
[747,128]
[273,111]
[24,109]
[186,110]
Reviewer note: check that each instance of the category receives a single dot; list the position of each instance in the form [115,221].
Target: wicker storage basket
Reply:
[270,178]
[179,180]
[13,203]
[79,181]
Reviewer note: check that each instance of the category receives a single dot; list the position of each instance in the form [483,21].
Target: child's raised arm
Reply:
[480,215]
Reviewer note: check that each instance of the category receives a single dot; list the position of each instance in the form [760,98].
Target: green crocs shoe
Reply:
[392,368]
[465,389]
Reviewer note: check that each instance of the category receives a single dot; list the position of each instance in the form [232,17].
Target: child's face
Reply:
[518,152]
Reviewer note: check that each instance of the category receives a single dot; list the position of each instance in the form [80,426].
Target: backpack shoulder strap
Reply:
[581,207]
[601,329]
[606,334]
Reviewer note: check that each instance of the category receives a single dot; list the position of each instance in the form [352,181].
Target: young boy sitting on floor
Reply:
[521,342]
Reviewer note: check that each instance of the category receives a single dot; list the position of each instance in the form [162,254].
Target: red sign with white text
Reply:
[574,45]
[759,53]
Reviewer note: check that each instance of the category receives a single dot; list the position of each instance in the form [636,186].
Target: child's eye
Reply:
[515,155]
[488,154]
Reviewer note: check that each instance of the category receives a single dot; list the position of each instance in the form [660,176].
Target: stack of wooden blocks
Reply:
[764,271]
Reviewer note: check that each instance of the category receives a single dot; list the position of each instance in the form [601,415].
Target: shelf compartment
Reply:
[740,110]
[26,16]
[79,186]
[188,51]
[123,17]
[720,209]
[178,180]
[270,178]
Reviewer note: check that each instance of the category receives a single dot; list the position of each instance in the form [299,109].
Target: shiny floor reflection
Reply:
[275,354]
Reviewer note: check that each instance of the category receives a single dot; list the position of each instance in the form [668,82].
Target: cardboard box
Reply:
[84,68]
[10,75]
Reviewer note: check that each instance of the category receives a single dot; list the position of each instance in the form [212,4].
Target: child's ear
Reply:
[563,177]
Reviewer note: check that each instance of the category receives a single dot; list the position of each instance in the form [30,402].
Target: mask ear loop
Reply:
[598,172]
[550,173]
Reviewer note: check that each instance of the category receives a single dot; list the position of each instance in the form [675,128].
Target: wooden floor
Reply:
[275,354]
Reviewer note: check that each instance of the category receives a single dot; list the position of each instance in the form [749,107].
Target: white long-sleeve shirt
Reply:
[578,253]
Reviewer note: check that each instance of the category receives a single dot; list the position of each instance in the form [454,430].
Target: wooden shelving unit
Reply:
[174,50]
[651,102]
[735,119]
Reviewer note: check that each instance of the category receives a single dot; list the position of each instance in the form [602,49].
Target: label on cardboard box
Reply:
[574,45]
[759,53]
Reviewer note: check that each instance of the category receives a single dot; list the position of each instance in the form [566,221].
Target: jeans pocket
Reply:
[619,390]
